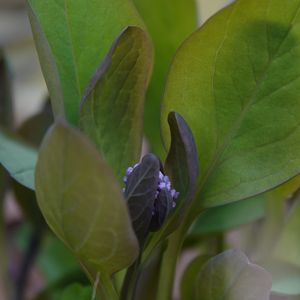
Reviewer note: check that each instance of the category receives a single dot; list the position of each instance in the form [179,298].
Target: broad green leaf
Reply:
[230,215]
[18,159]
[113,104]
[236,82]
[78,292]
[230,276]
[82,202]
[169,22]
[72,38]
[140,193]
[189,277]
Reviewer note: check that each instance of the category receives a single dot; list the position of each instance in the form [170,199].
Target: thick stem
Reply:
[168,266]
[129,285]
[107,287]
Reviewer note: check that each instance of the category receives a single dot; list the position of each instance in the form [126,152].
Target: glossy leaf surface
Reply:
[169,22]
[18,159]
[140,194]
[113,104]
[230,276]
[82,202]
[236,82]
[72,38]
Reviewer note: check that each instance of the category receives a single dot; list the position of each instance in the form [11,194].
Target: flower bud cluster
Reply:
[163,183]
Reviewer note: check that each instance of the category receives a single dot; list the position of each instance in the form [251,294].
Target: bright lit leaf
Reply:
[72,38]
[236,82]
[113,105]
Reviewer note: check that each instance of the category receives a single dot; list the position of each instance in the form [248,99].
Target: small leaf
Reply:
[82,202]
[140,193]
[18,159]
[230,81]
[113,104]
[228,216]
[71,44]
[160,16]
[182,160]
[182,167]
[230,276]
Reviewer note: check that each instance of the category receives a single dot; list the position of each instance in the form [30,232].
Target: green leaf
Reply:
[230,215]
[113,104]
[181,164]
[189,277]
[169,22]
[78,292]
[18,159]
[230,276]
[72,38]
[82,202]
[236,82]
[140,193]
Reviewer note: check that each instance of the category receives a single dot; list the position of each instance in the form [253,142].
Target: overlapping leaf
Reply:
[113,105]
[82,202]
[72,38]
[236,82]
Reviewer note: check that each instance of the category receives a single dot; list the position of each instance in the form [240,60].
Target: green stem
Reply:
[107,287]
[168,265]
